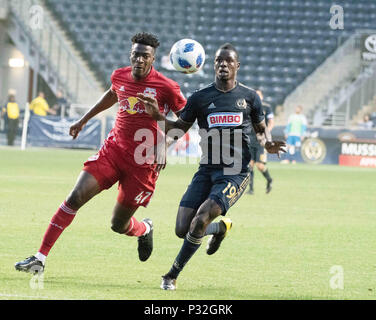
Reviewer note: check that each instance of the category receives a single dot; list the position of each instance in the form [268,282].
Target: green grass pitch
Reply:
[291,244]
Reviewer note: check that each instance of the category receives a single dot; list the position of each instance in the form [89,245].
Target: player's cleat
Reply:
[216,239]
[250,191]
[31,265]
[168,283]
[269,186]
[145,243]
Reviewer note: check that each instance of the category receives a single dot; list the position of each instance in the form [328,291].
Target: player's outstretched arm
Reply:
[108,99]
[152,108]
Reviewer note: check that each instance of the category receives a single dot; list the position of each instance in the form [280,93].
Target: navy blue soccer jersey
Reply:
[225,122]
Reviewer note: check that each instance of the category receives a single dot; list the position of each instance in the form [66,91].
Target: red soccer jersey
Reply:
[131,116]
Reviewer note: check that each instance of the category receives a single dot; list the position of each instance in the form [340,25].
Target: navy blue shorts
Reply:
[211,183]
[258,153]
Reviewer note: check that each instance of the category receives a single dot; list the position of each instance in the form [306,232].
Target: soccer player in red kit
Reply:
[118,160]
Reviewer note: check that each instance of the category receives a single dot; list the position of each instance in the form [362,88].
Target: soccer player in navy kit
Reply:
[258,153]
[222,109]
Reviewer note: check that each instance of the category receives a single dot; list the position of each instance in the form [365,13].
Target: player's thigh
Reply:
[198,190]
[85,188]
[294,141]
[261,158]
[290,140]
[227,189]
[136,186]
[103,165]
[253,154]
[99,173]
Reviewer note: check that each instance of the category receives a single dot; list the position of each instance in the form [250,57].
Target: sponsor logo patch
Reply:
[225,119]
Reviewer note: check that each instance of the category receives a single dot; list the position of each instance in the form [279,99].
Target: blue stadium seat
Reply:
[280,41]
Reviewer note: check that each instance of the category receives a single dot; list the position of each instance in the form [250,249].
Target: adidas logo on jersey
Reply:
[212,106]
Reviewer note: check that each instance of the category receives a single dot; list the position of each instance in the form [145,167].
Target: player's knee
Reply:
[207,214]
[115,228]
[76,199]
[183,221]
[86,187]
[181,232]
[181,228]
[118,225]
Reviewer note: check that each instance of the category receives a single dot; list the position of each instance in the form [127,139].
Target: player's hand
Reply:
[151,106]
[277,147]
[75,128]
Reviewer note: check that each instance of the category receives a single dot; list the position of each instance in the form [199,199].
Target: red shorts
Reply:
[112,164]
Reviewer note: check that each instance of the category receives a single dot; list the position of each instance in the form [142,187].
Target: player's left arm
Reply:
[263,134]
[264,137]
[152,108]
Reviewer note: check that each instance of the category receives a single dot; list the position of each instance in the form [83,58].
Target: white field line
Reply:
[21,296]
[6,295]
[34,177]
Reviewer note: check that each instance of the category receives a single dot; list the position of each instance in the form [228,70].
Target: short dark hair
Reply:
[146,38]
[229,46]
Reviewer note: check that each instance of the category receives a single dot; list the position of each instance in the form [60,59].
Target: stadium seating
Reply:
[280,42]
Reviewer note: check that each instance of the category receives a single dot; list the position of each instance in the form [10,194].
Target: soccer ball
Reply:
[187,56]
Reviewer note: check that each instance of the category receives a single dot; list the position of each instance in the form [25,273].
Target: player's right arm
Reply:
[108,99]
[152,108]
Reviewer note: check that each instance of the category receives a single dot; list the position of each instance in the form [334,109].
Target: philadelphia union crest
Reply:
[313,150]
[241,104]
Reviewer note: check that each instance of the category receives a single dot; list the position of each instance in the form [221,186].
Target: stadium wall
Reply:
[12,78]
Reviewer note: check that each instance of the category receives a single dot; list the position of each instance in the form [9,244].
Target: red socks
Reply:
[62,219]
[135,228]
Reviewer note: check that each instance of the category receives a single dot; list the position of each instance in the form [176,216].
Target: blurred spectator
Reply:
[61,106]
[366,123]
[373,118]
[11,113]
[294,133]
[40,106]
